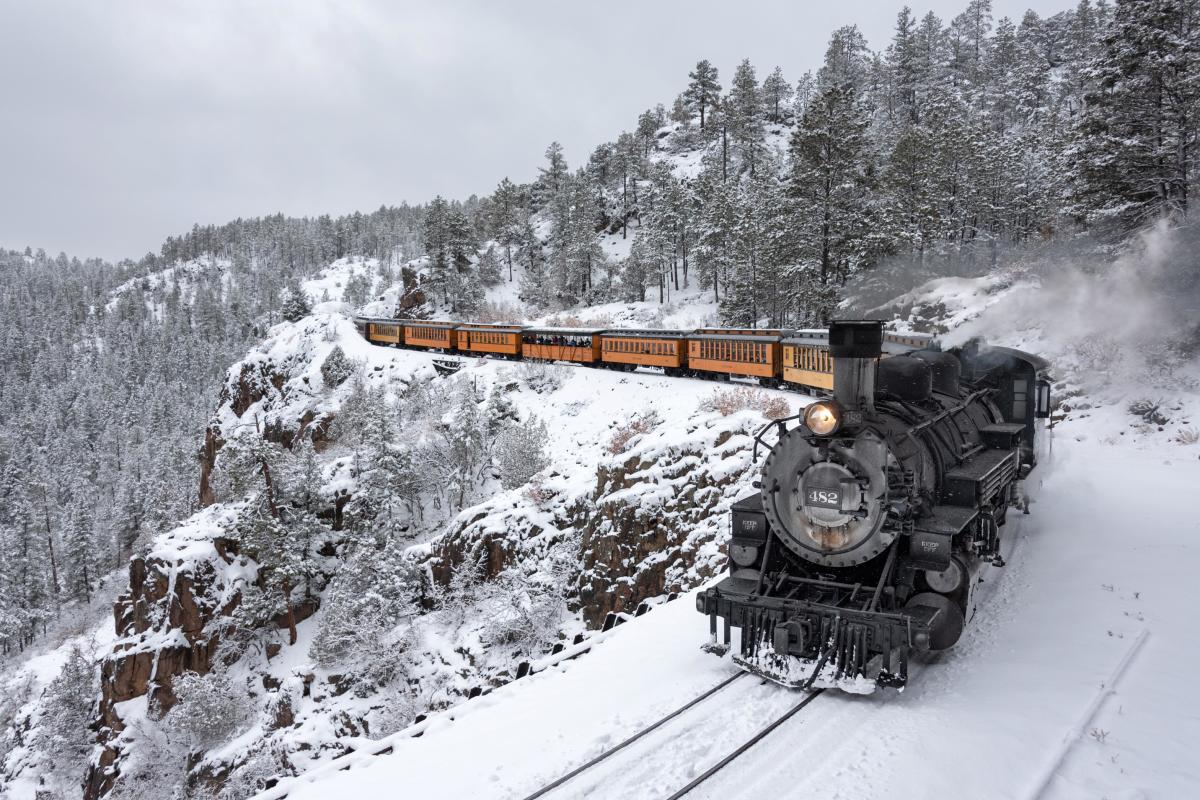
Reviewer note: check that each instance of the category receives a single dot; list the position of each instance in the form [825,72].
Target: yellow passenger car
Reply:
[742,354]
[648,348]
[380,331]
[561,344]
[806,360]
[431,335]
[504,340]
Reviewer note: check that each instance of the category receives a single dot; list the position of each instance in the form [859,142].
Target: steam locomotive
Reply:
[877,512]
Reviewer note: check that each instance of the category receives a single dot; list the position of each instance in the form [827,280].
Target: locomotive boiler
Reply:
[876,511]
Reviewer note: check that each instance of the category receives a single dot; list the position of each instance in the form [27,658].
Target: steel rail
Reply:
[643,732]
[714,769]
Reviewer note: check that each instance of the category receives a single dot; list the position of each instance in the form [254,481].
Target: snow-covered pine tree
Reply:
[550,177]
[358,289]
[336,367]
[743,115]
[704,91]
[65,730]
[489,267]
[777,96]
[80,548]
[295,305]
[509,221]
[1137,137]
[828,179]
[636,271]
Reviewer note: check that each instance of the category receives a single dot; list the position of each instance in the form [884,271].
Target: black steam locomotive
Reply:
[878,511]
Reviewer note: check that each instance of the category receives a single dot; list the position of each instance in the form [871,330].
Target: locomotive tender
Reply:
[877,513]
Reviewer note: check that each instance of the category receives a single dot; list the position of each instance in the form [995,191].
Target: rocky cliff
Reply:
[640,512]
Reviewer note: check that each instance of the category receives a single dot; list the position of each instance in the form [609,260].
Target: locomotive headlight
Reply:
[823,418]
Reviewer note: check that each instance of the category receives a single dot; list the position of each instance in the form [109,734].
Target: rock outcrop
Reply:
[164,628]
[654,523]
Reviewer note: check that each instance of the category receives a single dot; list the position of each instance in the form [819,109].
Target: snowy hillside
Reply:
[245,553]
[627,505]
[1065,686]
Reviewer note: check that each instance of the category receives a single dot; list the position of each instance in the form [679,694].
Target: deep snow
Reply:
[1103,560]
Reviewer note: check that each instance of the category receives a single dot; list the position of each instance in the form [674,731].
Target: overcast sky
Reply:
[124,122]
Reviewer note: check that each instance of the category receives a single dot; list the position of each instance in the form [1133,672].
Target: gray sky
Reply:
[123,122]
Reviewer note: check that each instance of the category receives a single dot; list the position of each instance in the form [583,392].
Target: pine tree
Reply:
[680,115]
[903,57]
[636,271]
[647,128]
[336,368]
[79,555]
[803,94]
[828,180]
[1136,149]
[70,699]
[704,90]
[969,44]
[716,234]
[295,304]
[550,177]
[743,114]
[776,96]
[509,219]
[489,268]
[449,243]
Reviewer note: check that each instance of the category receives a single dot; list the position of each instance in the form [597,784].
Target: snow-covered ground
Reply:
[1073,681]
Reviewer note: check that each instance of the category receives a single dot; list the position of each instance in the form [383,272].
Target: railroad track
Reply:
[807,698]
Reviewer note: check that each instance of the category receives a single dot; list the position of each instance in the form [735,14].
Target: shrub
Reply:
[740,398]
[336,368]
[210,709]
[639,424]
[541,377]
[521,452]
[1187,436]
[538,492]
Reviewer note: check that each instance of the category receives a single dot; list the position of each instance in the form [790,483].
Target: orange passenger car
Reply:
[806,360]
[504,340]
[646,348]
[744,354]
[432,335]
[581,345]
[380,331]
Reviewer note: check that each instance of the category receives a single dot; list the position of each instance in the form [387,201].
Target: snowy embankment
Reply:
[1074,675]
[639,479]
[1071,682]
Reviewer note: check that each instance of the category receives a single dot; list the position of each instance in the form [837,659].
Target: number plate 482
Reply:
[824,498]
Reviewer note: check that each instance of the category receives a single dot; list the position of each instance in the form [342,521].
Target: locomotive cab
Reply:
[1022,389]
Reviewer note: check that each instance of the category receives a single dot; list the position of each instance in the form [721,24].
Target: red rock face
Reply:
[208,459]
[621,545]
[165,627]
[161,624]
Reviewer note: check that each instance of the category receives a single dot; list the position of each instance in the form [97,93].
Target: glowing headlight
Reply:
[823,418]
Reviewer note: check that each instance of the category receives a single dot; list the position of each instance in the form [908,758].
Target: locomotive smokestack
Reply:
[855,346]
